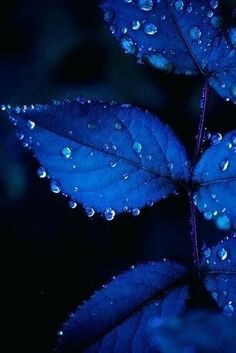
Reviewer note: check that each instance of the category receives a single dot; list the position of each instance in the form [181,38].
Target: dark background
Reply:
[53,257]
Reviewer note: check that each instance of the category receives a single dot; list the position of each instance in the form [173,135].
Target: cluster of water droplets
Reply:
[217,259]
[149,21]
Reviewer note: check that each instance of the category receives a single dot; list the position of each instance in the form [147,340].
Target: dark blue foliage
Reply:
[216,174]
[118,317]
[109,158]
[198,332]
[219,267]
[179,36]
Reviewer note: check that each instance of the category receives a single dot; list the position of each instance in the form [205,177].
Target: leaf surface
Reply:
[216,175]
[116,318]
[109,158]
[179,36]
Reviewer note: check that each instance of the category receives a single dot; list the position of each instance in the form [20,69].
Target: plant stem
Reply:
[199,140]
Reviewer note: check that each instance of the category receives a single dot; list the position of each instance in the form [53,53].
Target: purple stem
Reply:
[199,140]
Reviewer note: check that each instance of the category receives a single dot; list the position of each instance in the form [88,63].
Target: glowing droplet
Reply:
[30,124]
[145,5]
[54,186]
[222,254]
[90,211]
[224,165]
[66,152]
[195,33]
[223,222]
[137,147]
[109,214]
[41,172]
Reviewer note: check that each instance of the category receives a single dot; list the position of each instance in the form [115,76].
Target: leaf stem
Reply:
[199,140]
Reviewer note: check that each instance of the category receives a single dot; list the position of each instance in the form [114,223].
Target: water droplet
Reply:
[216,138]
[119,126]
[19,135]
[66,152]
[127,44]
[91,126]
[72,204]
[228,309]
[54,186]
[30,124]
[150,29]
[109,214]
[90,211]
[224,165]
[145,5]
[108,15]
[208,215]
[137,147]
[60,333]
[135,211]
[179,5]
[160,62]
[195,33]
[125,176]
[135,25]
[223,222]
[113,164]
[222,254]
[207,253]
[170,165]
[42,172]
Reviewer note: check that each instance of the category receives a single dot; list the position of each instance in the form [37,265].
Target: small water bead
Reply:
[135,211]
[109,214]
[224,165]
[170,165]
[54,186]
[195,33]
[216,21]
[150,29]
[119,126]
[214,4]
[125,176]
[137,147]
[108,15]
[223,222]
[91,126]
[145,5]
[208,215]
[127,44]
[66,152]
[90,212]
[113,164]
[135,25]
[216,138]
[179,5]
[60,333]
[128,1]
[72,204]
[228,309]
[19,135]
[160,62]
[210,14]
[42,172]
[222,254]
[207,253]
[30,124]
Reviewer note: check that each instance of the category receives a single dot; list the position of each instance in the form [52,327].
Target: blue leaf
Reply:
[109,158]
[216,175]
[219,267]
[198,332]
[116,318]
[179,36]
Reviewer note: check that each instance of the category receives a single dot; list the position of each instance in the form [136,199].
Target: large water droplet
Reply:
[127,44]
[42,172]
[195,33]
[90,211]
[228,309]
[223,222]
[145,5]
[30,124]
[224,165]
[216,138]
[72,204]
[137,147]
[109,214]
[66,152]
[135,25]
[160,62]
[222,254]
[208,215]
[135,211]
[150,29]
[54,186]
[179,5]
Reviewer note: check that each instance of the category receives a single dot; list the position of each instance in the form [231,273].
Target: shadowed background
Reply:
[54,257]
